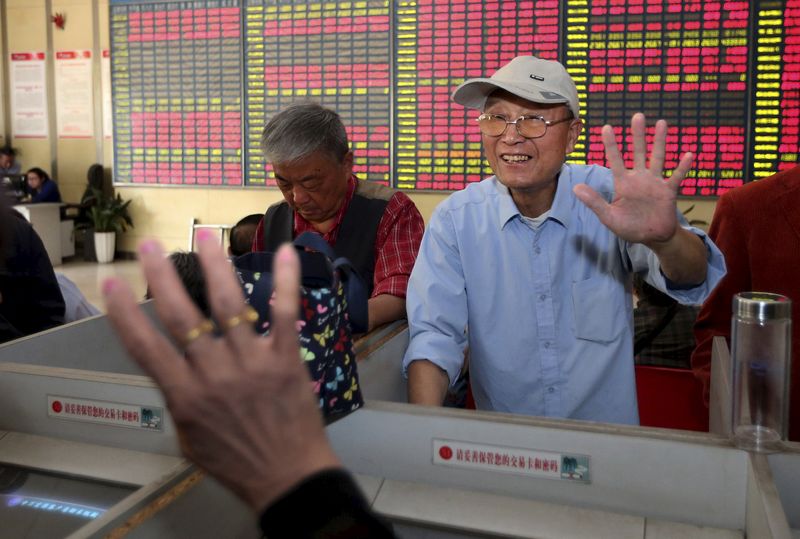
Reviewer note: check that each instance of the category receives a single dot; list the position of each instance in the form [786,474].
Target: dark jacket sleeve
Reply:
[31,298]
[326,505]
[48,193]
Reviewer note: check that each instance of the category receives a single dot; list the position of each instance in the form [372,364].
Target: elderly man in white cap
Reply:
[531,267]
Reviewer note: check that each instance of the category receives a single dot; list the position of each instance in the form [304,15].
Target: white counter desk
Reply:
[427,470]
[631,482]
[46,220]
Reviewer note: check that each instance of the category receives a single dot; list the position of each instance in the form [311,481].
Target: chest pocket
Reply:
[598,312]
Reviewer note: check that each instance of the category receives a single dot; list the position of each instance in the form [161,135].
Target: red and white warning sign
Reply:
[495,458]
[108,413]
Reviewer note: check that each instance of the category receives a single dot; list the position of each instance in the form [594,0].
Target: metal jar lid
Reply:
[762,306]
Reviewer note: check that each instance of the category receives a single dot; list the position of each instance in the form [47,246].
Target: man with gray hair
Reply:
[531,268]
[377,228]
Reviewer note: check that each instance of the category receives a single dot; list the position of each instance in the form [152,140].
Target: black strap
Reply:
[647,339]
[357,233]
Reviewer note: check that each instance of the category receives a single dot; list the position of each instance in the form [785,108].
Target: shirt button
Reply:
[551,389]
[542,297]
[547,344]
[537,250]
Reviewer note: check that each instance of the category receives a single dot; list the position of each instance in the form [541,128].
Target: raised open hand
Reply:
[643,208]
[243,404]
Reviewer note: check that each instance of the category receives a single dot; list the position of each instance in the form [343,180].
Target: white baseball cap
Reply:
[529,77]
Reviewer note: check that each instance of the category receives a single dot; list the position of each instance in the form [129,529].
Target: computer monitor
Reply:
[15,186]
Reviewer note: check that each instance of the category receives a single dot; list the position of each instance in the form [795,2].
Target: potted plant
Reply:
[108,215]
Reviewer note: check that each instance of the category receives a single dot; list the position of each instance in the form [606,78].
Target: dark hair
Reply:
[187,265]
[39,172]
[8,150]
[242,233]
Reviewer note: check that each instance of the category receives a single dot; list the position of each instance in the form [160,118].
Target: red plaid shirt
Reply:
[396,243]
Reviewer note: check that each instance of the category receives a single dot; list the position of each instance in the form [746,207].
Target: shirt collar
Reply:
[559,210]
[564,199]
[506,209]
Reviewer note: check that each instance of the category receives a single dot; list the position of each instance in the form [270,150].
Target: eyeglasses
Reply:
[494,125]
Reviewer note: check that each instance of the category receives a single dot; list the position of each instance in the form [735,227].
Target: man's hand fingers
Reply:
[593,200]
[659,149]
[225,293]
[285,307]
[174,307]
[613,157]
[680,171]
[151,350]
[638,132]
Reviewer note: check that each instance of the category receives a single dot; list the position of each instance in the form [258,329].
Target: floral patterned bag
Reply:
[331,291]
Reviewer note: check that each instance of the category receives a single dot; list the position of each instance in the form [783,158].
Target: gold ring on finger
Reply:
[247,315]
[206,326]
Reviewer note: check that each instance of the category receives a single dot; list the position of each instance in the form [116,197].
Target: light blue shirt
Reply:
[76,306]
[546,311]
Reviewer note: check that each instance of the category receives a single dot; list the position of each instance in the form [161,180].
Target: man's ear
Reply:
[575,129]
[347,163]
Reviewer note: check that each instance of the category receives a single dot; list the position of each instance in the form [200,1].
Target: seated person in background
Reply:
[757,227]
[377,228]
[662,328]
[41,187]
[30,299]
[187,266]
[9,166]
[531,268]
[77,307]
[242,234]
[243,404]
[81,212]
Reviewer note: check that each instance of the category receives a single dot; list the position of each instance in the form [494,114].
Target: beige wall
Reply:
[27,32]
[73,156]
[162,212]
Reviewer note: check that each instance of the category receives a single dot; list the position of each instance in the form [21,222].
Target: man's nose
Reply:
[299,195]
[511,134]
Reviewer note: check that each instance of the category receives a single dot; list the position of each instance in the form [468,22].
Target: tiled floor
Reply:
[89,276]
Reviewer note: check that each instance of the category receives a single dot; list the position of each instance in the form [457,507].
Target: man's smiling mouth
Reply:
[515,158]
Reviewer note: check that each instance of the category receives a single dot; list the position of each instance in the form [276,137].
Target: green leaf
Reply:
[109,213]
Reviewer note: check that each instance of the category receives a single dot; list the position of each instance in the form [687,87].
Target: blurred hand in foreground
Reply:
[242,403]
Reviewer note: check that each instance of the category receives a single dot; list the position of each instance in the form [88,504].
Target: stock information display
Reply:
[438,45]
[775,141]
[195,82]
[685,62]
[176,81]
[335,53]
